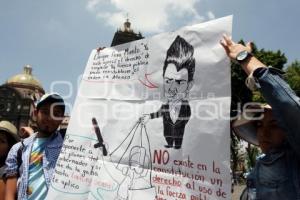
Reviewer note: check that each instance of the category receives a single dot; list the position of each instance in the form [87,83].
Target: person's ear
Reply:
[190,85]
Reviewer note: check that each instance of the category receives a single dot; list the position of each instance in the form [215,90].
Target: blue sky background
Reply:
[55,37]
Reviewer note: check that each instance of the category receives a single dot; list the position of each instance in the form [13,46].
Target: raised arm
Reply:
[283,100]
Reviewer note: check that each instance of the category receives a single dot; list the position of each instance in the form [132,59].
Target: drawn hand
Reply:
[145,118]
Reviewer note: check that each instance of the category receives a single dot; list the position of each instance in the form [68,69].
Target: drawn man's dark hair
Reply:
[181,54]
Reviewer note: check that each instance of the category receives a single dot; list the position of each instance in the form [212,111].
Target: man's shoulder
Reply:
[14,149]
[185,103]
[56,140]
[19,146]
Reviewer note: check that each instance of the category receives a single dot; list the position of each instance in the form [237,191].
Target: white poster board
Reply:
[151,121]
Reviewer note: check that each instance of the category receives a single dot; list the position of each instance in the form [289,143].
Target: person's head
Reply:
[49,113]
[269,134]
[8,137]
[260,128]
[178,70]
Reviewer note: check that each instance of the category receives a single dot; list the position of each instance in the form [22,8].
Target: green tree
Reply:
[234,151]
[252,153]
[293,76]
[271,58]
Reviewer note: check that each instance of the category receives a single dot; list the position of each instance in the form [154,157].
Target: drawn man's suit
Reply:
[174,131]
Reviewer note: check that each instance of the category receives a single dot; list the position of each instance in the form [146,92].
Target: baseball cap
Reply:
[244,127]
[51,98]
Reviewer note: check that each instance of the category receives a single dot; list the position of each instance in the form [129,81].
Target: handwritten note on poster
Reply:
[119,65]
[151,121]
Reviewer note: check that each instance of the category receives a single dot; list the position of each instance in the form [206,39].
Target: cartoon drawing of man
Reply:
[178,72]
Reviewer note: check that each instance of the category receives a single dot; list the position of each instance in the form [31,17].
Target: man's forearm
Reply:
[11,188]
[251,64]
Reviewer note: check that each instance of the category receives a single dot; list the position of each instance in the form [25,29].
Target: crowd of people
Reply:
[27,164]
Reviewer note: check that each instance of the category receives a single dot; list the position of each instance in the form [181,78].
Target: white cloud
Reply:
[146,15]
[211,15]
[92,4]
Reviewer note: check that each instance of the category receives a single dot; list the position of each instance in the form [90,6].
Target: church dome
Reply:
[25,80]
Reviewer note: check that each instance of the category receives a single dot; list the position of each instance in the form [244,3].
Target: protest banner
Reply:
[151,121]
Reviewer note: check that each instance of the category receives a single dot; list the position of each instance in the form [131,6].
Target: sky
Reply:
[56,37]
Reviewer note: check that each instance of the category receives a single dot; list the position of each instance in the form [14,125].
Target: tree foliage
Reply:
[234,150]
[270,58]
[293,76]
[252,153]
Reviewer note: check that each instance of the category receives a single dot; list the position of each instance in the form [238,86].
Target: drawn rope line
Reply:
[141,133]
[147,136]
[137,126]
[137,123]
